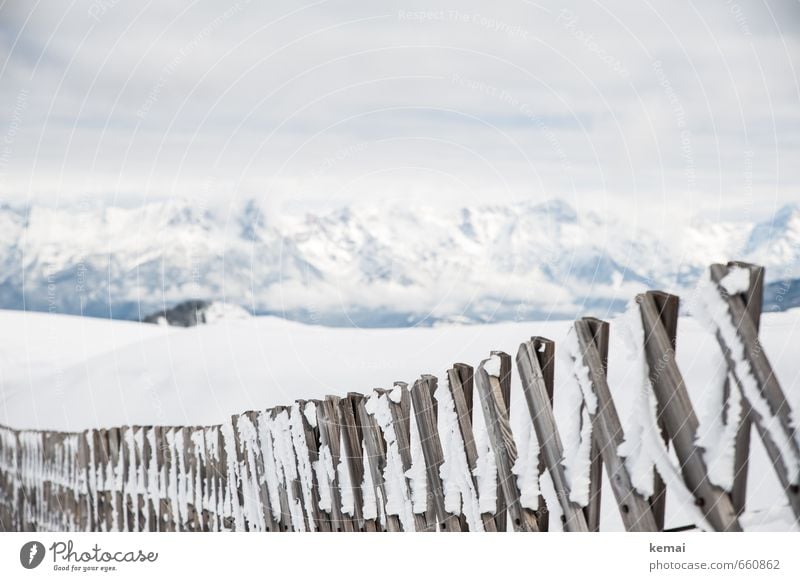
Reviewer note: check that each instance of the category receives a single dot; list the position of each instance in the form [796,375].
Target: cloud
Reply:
[621,104]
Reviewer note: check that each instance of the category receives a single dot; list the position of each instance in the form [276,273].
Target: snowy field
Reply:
[72,373]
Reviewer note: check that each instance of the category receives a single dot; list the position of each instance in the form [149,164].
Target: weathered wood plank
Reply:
[425,416]
[769,389]
[607,432]
[668,307]
[352,453]
[546,353]
[460,383]
[376,462]
[680,419]
[544,422]
[330,437]
[495,411]
[311,443]
[501,516]
[401,419]
[753,300]
[599,333]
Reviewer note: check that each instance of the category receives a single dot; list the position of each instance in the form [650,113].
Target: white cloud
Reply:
[631,104]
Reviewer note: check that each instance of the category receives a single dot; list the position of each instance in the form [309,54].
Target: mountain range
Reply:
[369,266]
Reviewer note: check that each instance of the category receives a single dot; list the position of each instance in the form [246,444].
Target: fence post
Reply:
[546,353]
[753,299]
[494,406]
[425,415]
[599,334]
[501,516]
[460,382]
[607,434]
[310,434]
[401,419]
[768,387]
[330,436]
[376,461]
[680,419]
[351,437]
[668,306]
[544,423]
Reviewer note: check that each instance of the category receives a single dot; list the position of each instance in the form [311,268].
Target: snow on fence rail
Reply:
[430,457]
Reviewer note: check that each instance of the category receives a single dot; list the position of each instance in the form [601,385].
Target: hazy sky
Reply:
[614,104]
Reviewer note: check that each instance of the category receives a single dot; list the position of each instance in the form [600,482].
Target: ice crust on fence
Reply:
[368,492]
[526,467]
[460,495]
[304,467]
[576,430]
[345,482]
[485,466]
[712,310]
[719,426]
[417,474]
[398,501]
[643,449]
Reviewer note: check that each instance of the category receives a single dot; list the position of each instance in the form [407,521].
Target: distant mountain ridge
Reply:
[368,266]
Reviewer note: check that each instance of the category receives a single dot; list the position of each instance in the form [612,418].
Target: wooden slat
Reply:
[681,421]
[351,452]
[501,518]
[460,383]
[376,461]
[668,307]
[769,388]
[546,354]
[401,419]
[607,432]
[495,411]
[599,334]
[425,416]
[322,522]
[544,422]
[330,436]
[753,300]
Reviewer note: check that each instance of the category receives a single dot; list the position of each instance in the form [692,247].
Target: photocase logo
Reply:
[31,554]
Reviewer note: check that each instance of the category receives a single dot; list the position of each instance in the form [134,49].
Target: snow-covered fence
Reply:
[430,457]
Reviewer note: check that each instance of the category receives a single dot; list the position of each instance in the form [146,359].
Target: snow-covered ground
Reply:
[72,373]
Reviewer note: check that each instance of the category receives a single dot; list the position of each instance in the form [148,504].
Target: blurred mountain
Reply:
[367,266]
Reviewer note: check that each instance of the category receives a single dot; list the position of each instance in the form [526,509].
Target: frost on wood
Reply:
[576,430]
[304,467]
[643,449]
[492,365]
[325,477]
[398,501]
[736,281]
[485,467]
[417,474]
[345,482]
[368,492]
[248,442]
[551,501]
[526,468]
[310,411]
[719,426]
[286,464]
[460,496]
[713,311]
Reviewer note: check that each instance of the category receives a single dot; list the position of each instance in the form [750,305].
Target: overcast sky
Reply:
[613,105]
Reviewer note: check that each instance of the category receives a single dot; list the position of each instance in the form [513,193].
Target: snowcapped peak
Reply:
[379,265]
[781,233]
[557,209]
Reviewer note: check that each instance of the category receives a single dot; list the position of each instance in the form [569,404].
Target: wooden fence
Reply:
[430,456]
